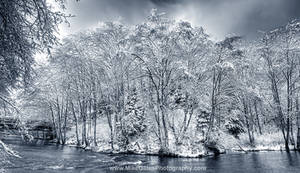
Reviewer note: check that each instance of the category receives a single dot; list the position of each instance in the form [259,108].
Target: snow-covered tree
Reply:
[133,123]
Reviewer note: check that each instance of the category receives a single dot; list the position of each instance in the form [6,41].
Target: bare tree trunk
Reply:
[84,116]
[95,129]
[166,135]
[84,140]
[280,113]
[248,120]
[89,134]
[289,107]
[298,124]
[257,117]
[251,122]
[65,124]
[172,126]
[109,119]
[292,135]
[185,125]
[53,122]
[95,121]
[59,122]
[214,96]
[218,96]
[76,124]
[213,105]
[156,115]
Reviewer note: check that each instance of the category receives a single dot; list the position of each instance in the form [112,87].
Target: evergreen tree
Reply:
[133,123]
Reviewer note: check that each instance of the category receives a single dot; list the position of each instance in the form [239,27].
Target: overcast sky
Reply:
[218,17]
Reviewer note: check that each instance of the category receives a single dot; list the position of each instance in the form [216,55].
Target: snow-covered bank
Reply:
[265,142]
[224,143]
[192,145]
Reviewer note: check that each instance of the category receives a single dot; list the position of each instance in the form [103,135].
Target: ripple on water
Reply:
[55,167]
[92,156]
[131,163]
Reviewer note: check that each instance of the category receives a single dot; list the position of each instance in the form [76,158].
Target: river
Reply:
[56,158]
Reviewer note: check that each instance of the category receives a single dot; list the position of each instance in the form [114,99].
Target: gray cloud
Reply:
[218,17]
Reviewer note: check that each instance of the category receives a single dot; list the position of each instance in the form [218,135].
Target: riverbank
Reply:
[148,145]
[181,152]
[225,143]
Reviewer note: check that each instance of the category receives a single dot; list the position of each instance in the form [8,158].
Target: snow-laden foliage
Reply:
[26,27]
[167,83]
[234,125]
[164,86]
[133,123]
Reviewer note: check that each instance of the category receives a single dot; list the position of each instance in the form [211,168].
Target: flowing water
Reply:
[56,158]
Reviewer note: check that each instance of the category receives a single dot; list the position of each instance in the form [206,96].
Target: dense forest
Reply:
[160,86]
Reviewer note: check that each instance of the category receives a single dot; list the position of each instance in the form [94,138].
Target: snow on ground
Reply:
[148,144]
[265,142]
